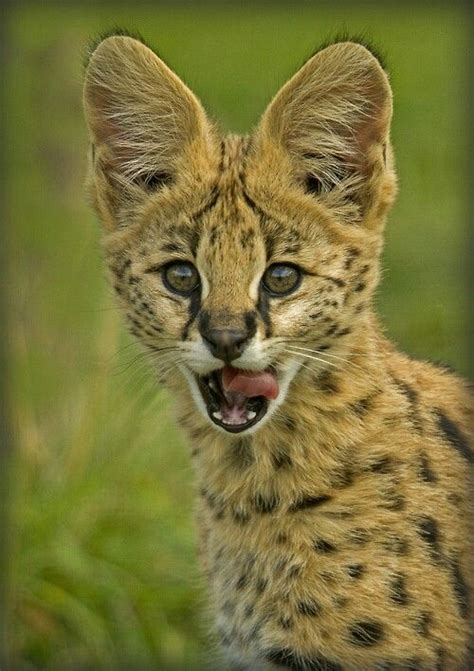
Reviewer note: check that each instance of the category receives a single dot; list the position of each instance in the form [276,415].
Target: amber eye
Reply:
[181,277]
[281,279]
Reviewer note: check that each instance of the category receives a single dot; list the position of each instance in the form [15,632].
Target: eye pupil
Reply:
[281,279]
[181,277]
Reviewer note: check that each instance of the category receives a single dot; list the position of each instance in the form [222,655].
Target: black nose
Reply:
[226,344]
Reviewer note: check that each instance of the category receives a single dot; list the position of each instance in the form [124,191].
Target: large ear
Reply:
[140,115]
[333,118]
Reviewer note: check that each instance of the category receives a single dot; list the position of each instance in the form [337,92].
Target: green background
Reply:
[103,569]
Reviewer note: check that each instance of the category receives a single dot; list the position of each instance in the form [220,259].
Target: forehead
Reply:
[230,217]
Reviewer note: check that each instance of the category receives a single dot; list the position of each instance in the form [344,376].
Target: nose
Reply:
[226,344]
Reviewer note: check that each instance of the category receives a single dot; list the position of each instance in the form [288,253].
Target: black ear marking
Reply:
[313,185]
[155,180]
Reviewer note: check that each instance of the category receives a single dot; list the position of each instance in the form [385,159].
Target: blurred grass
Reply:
[103,571]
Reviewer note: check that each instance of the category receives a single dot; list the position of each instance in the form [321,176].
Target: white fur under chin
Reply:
[284,381]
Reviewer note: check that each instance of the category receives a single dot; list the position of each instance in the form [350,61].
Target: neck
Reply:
[308,447]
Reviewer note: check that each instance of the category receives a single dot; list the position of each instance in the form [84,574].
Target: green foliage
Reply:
[104,573]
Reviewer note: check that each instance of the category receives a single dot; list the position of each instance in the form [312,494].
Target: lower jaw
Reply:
[238,428]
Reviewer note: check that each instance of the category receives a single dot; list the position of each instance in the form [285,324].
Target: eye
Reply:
[281,279]
[181,277]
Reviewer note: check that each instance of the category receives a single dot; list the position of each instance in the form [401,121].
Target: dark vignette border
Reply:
[6,436]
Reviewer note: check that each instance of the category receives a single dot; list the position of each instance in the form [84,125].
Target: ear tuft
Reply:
[354,38]
[112,32]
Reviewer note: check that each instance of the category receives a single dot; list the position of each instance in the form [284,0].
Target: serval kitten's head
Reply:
[237,260]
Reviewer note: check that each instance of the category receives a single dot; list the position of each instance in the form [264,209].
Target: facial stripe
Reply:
[194,305]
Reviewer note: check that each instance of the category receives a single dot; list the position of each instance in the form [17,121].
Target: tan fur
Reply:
[337,534]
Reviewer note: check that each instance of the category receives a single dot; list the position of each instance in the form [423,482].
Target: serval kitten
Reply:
[334,506]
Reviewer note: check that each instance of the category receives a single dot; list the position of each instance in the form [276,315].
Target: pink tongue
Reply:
[250,383]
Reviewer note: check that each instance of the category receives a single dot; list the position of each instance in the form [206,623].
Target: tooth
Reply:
[251,414]
[217,415]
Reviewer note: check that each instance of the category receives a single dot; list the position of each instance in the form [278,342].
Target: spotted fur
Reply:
[336,533]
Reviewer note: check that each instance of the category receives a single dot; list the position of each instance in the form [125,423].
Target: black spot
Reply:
[422,624]
[398,592]
[362,407]
[323,546]
[454,498]
[224,638]
[343,332]
[398,546]
[412,397]
[228,608]
[242,452]
[359,536]
[119,271]
[412,664]
[281,459]
[454,435]
[326,382]
[281,538]
[261,585]
[265,504]
[289,423]
[253,632]
[315,315]
[460,589]
[365,633]
[294,662]
[309,502]
[285,622]
[355,570]
[424,469]
[427,529]
[280,565]
[173,248]
[393,500]
[352,254]
[246,237]
[342,477]
[337,281]
[340,601]
[248,611]
[359,287]
[242,581]
[294,571]
[382,465]
[240,516]
[309,608]
[187,232]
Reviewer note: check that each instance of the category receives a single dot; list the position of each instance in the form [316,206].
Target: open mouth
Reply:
[237,399]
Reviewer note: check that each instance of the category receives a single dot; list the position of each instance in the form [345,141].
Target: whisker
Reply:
[314,358]
[325,354]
